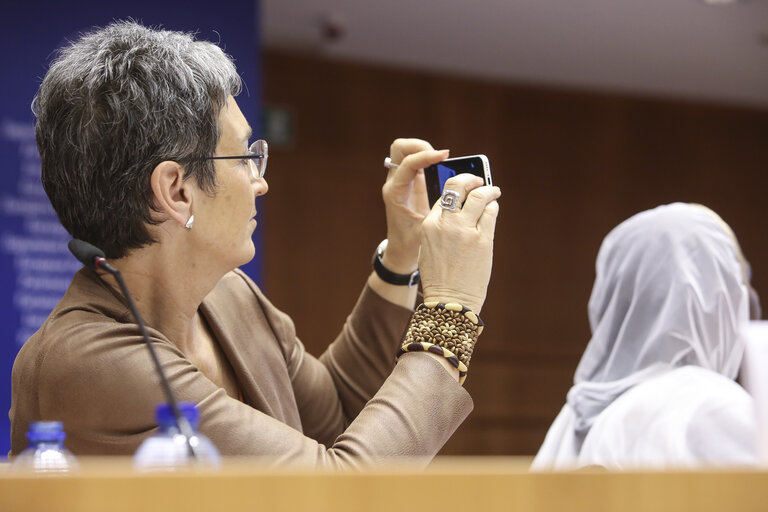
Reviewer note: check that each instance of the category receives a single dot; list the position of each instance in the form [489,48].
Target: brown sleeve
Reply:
[331,392]
[100,382]
[363,355]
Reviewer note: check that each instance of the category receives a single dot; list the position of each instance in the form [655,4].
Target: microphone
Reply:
[93,258]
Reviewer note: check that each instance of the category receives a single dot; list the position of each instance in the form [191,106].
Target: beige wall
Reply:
[571,165]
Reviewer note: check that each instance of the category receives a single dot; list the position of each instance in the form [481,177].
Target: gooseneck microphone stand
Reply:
[93,258]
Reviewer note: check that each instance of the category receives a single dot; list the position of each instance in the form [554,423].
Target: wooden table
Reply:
[458,484]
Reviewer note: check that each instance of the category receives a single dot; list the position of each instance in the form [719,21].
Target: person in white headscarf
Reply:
[656,386]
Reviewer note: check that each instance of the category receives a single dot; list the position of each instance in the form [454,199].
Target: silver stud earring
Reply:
[189,223]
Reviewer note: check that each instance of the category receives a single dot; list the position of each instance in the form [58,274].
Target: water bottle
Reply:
[45,452]
[167,449]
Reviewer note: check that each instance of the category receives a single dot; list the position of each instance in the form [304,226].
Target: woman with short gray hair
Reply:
[146,155]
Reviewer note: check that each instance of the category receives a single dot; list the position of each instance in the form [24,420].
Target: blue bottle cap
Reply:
[46,431]
[164,414]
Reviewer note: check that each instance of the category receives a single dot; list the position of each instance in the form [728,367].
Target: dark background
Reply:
[571,166]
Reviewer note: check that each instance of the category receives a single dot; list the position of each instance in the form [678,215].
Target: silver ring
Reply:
[449,200]
[389,164]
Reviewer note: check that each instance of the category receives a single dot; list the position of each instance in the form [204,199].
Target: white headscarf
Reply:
[669,292]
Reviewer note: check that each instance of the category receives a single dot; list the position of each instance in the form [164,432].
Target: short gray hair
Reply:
[113,105]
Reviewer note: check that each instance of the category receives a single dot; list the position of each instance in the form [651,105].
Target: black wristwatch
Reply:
[387,275]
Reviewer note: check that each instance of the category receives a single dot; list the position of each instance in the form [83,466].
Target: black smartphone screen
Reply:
[436,175]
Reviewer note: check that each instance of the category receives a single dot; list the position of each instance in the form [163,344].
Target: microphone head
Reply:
[85,252]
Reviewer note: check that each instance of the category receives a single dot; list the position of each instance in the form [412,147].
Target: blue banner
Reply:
[35,265]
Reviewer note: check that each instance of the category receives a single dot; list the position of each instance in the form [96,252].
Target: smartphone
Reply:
[437,174]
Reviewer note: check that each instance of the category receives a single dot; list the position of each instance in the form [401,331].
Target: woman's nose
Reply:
[260,186]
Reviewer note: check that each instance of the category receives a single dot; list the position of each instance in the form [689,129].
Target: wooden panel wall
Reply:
[571,165]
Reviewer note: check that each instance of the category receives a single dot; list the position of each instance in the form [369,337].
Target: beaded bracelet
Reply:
[450,327]
[435,349]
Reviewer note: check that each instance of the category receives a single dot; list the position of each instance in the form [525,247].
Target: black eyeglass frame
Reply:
[257,171]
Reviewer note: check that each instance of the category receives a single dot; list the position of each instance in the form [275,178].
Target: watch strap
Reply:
[394,278]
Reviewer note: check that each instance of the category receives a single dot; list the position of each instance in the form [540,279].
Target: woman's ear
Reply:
[172,195]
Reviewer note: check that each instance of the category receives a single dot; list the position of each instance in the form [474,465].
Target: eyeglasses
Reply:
[256,158]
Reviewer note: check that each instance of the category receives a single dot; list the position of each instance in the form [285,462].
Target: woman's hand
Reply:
[405,201]
[457,246]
